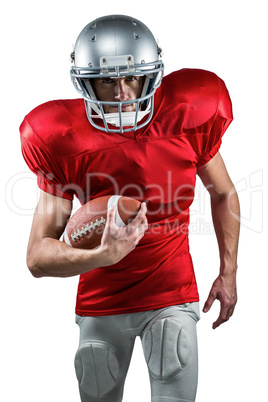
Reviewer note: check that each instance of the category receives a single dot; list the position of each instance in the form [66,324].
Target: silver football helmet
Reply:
[117,46]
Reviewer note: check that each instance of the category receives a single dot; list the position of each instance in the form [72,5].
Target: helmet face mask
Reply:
[117,47]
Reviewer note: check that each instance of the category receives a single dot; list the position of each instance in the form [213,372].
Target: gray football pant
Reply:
[169,343]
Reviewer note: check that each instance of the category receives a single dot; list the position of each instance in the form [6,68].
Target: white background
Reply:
[38,334]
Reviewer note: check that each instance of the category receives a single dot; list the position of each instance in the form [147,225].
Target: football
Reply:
[85,227]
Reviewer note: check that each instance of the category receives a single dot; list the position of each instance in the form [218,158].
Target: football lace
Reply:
[87,229]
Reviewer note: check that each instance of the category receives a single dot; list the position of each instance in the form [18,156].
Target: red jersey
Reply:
[156,164]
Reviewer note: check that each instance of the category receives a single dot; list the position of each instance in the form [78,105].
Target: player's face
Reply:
[118,90]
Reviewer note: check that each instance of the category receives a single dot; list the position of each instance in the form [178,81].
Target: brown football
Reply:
[85,227]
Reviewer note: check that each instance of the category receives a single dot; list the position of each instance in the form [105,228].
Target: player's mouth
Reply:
[125,108]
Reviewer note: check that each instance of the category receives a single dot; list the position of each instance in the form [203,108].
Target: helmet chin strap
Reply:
[128,118]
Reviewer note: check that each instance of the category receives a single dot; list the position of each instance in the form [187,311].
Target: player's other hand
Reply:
[224,290]
[117,241]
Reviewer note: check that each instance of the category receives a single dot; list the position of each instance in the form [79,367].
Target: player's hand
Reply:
[117,241]
[224,290]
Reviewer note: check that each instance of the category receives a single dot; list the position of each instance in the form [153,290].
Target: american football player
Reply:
[133,132]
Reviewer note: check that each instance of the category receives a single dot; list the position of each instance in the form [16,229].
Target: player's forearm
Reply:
[51,257]
[226,219]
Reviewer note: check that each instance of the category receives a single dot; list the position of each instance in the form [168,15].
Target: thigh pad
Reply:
[167,349]
[97,368]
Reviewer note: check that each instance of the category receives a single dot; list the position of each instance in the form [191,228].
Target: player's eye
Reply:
[131,79]
[107,81]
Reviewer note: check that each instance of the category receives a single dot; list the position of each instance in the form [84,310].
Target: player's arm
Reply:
[226,215]
[47,256]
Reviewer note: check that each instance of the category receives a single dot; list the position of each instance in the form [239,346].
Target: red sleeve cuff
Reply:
[53,189]
[207,157]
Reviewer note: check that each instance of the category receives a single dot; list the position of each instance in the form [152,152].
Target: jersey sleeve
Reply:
[217,126]
[40,160]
